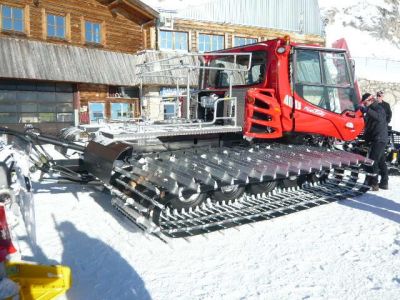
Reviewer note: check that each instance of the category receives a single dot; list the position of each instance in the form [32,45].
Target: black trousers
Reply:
[377,154]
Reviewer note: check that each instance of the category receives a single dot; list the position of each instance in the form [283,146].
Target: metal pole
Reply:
[235,102]
[56,142]
[188,96]
[176,104]
[141,96]
[230,76]
[230,83]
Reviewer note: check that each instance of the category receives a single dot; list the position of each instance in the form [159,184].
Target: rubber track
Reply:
[208,169]
[209,216]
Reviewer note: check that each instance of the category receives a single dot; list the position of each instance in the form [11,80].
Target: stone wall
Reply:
[392,96]
[391,89]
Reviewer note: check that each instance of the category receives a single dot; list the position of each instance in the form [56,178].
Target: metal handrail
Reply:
[189,68]
[200,124]
[182,65]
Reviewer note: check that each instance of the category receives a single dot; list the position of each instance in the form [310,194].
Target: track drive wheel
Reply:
[227,193]
[262,187]
[186,199]
[289,182]
[317,177]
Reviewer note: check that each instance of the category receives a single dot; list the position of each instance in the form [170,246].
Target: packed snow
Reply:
[344,250]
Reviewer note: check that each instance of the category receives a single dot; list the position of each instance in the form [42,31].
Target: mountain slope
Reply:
[370,27]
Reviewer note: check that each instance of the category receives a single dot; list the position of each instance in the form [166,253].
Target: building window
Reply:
[121,111]
[173,40]
[209,42]
[12,18]
[96,112]
[123,92]
[92,32]
[241,41]
[170,109]
[56,26]
[35,102]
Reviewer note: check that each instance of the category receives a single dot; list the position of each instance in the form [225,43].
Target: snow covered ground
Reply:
[344,250]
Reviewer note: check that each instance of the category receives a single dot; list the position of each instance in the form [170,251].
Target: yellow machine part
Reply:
[39,281]
[394,159]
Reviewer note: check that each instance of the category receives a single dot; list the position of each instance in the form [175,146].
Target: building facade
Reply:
[75,62]
[223,24]
[220,24]
[69,62]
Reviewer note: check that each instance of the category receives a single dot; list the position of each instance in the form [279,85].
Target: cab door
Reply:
[324,96]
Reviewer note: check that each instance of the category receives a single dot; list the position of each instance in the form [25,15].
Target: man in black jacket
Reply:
[385,105]
[376,134]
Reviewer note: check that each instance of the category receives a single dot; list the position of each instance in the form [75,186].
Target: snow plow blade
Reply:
[39,281]
[99,159]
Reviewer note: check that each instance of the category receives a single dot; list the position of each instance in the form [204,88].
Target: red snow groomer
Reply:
[254,140]
[298,90]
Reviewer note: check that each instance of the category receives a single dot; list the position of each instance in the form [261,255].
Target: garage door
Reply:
[36,103]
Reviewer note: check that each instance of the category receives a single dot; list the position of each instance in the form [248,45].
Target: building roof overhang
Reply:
[134,10]
[36,60]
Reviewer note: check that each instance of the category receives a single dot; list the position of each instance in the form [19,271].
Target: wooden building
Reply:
[69,62]
[222,24]
[75,61]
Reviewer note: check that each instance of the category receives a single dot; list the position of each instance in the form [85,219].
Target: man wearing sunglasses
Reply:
[385,105]
[376,135]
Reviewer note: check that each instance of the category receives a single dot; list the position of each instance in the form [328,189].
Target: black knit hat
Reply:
[365,97]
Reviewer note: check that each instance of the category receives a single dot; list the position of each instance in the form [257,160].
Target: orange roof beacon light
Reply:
[286,38]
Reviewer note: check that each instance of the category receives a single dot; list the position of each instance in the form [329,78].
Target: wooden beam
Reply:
[105,2]
[134,10]
[44,24]
[27,20]
[144,31]
[103,33]
[68,34]
[153,38]
[114,4]
[130,16]
[82,30]
[141,7]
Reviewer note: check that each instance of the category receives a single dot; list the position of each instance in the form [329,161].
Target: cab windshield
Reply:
[323,79]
